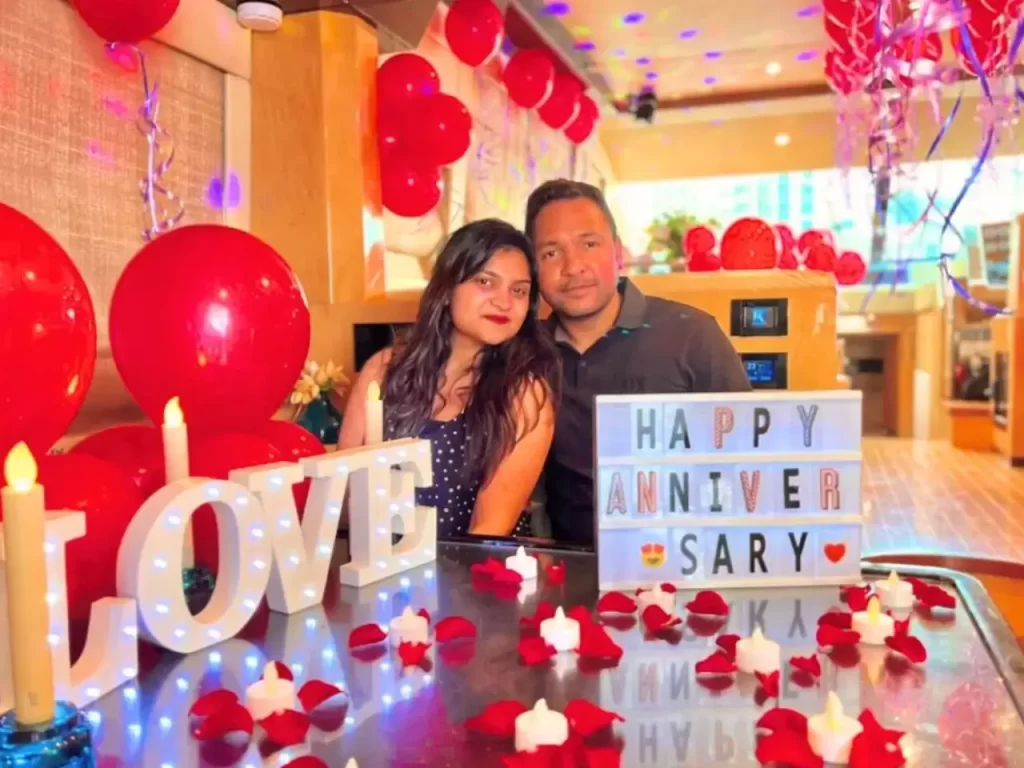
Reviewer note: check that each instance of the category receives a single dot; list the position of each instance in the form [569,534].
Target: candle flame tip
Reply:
[541,705]
[893,577]
[559,614]
[521,551]
[757,635]
[270,671]
[20,468]
[173,415]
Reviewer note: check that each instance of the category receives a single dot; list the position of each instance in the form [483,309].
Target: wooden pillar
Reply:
[315,170]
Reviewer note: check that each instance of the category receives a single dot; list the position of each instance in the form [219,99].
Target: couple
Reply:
[502,396]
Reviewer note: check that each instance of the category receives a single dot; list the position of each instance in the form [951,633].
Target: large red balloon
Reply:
[473,30]
[126,21]
[850,268]
[529,77]
[109,498]
[392,133]
[787,246]
[579,130]
[293,443]
[47,336]
[820,257]
[443,129]
[409,187]
[135,448]
[562,105]
[216,456]
[214,316]
[404,77]
[698,241]
[749,243]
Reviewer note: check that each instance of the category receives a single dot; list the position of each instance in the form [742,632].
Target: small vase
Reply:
[321,419]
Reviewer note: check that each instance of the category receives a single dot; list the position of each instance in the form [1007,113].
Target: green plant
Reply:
[668,230]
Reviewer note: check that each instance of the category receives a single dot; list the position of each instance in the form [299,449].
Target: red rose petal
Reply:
[581,614]
[830,637]
[457,654]
[366,634]
[666,587]
[497,720]
[909,647]
[769,683]
[934,596]
[555,573]
[718,663]
[316,692]
[229,719]
[871,726]
[506,576]
[783,719]
[602,757]
[616,602]
[370,654]
[595,644]
[901,626]
[487,568]
[708,603]
[918,585]
[412,654]
[545,610]
[586,719]
[307,761]
[728,644]
[213,702]
[453,628]
[856,597]
[837,619]
[705,626]
[809,665]
[844,656]
[655,618]
[787,748]
[534,651]
[283,672]
[715,684]
[425,614]
[875,746]
[286,728]
[621,622]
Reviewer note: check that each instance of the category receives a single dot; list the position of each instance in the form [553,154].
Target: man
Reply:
[613,340]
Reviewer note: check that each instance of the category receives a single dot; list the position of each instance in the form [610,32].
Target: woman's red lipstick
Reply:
[498,319]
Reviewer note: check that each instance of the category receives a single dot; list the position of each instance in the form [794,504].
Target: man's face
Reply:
[578,257]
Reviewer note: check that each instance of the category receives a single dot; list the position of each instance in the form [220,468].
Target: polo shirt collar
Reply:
[631,310]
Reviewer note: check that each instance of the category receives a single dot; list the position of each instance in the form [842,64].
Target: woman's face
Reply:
[491,306]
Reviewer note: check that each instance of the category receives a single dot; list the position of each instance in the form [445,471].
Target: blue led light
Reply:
[633,18]
[182,684]
[214,657]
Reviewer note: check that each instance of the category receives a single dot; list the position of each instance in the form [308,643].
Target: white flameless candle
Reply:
[758,654]
[27,613]
[873,625]
[656,596]
[831,733]
[409,627]
[175,438]
[351,763]
[561,632]
[374,415]
[540,727]
[895,593]
[523,564]
[269,695]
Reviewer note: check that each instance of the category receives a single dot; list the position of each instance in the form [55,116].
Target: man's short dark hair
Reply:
[564,189]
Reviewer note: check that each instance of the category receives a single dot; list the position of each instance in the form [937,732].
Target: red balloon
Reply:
[391,133]
[529,77]
[812,237]
[126,21]
[403,77]
[443,128]
[698,241]
[109,498]
[704,262]
[562,105]
[473,30]
[293,443]
[47,336]
[216,456]
[409,187]
[579,130]
[821,257]
[749,243]
[850,268]
[135,448]
[214,316]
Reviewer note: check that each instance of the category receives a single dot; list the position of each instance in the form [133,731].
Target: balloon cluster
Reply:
[419,131]
[533,83]
[750,243]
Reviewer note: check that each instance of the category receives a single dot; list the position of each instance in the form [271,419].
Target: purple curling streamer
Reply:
[164,209]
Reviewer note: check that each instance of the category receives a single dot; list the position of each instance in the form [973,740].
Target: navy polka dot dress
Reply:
[453,494]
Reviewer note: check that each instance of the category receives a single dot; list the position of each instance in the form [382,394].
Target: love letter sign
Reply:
[743,489]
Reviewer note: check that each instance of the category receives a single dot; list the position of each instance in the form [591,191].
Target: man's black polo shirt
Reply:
[655,347]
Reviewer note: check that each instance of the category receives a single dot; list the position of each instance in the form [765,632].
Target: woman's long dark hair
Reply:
[503,374]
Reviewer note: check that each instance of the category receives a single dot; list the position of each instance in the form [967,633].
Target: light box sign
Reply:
[719,490]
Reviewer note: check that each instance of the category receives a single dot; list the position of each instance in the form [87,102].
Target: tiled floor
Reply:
[930,497]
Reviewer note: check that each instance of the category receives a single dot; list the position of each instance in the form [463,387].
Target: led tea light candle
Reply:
[175,439]
[523,564]
[27,613]
[831,733]
[758,654]
[269,695]
[873,625]
[374,415]
[656,596]
[895,593]
[561,632]
[541,727]
[351,763]
[409,627]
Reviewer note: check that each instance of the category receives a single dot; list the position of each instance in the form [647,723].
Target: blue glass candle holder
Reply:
[64,742]
[198,583]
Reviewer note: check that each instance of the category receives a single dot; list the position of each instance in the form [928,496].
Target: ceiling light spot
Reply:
[807,55]
[712,55]
[808,11]
[710,80]
[618,53]
[584,45]
[633,18]
[556,9]
[688,34]
[773,68]
[643,61]
[781,139]
[651,76]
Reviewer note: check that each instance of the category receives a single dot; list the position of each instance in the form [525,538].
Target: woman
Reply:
[477,376]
